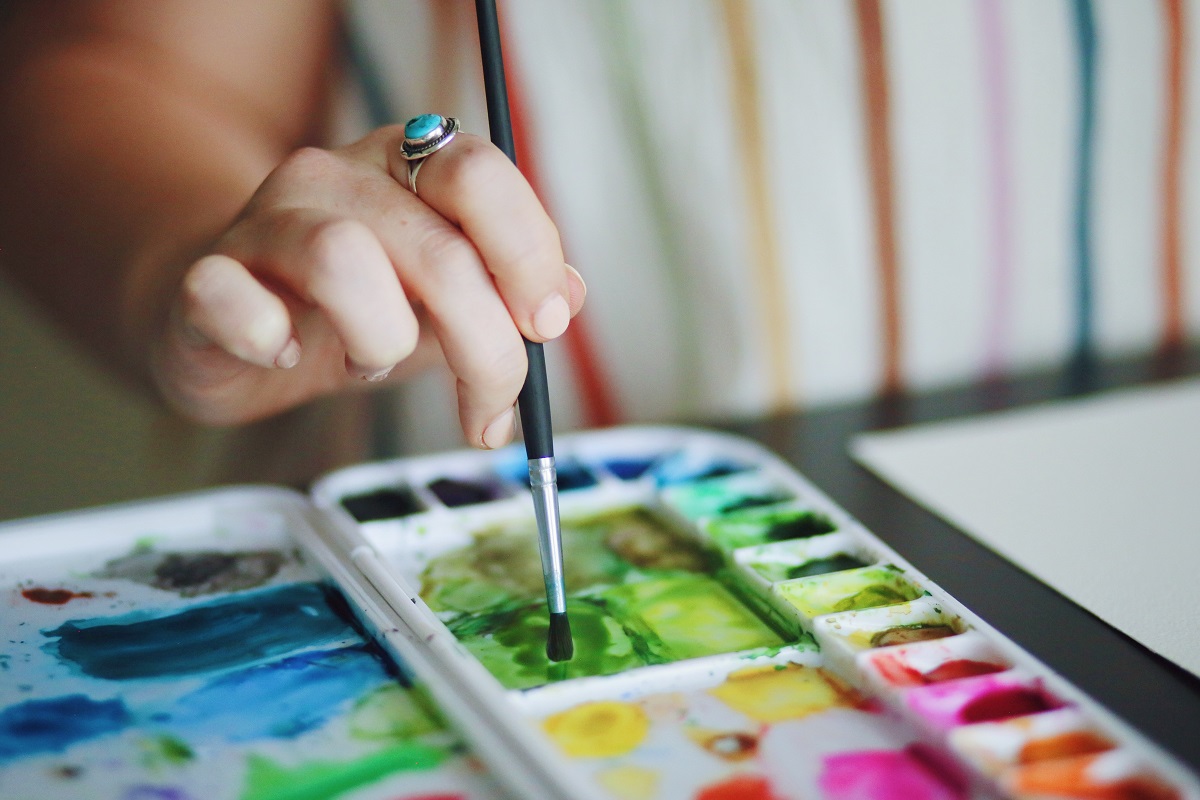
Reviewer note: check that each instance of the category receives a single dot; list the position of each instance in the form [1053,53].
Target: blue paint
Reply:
[54,724]
[629,469]
[573,475]
[684,467]
[232,631]
[280,699]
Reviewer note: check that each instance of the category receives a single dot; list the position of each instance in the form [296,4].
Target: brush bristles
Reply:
[559,646]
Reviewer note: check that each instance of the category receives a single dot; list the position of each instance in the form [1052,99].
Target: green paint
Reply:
[689,616]
[820,566]
[501,567]
[724,495]
[511,643]
[757,526]
[165,751]
[856,589]
[318,780]
[392,712]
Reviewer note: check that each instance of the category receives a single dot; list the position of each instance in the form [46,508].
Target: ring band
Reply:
[424,135]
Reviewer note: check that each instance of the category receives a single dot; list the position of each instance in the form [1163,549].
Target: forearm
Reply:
[119,166]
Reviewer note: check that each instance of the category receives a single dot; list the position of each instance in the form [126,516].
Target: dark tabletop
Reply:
[1147,691]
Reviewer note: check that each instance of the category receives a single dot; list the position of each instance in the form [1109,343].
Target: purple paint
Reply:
[884,775]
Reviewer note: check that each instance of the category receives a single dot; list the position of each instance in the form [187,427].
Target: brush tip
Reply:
[559,646]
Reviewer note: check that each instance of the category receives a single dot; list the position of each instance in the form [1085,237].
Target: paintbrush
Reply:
[534,400]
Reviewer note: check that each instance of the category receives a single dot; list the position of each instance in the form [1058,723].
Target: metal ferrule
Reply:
[543,480]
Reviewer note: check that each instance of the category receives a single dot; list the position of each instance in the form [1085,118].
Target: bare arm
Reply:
[148,198]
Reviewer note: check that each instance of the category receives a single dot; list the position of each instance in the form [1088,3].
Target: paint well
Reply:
[455,492]
[1109,776]
[232,631]
[724,495]
[987,698]
[383,504]
[686,466]
[915,632]
[758,526]
[852,590]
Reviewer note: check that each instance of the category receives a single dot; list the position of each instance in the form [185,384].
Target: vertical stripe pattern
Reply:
[874,81]
[596,396]
[1085,36]
[999,200]
[761,218]
[1175,58]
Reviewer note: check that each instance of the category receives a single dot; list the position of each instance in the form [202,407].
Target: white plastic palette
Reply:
[193,648]
[879,680]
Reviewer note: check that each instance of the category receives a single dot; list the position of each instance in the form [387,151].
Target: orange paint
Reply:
[1073,777]
[741,787]
[1075,743]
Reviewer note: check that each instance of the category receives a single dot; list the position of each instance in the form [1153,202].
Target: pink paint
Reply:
[884,775]
[988,698]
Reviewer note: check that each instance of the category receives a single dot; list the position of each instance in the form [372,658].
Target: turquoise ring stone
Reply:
[425,134]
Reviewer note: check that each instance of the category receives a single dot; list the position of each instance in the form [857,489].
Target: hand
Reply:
[335,273]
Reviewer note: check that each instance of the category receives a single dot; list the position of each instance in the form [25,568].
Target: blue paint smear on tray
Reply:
[52,725]
[233,631]
[280,699]
[684,467]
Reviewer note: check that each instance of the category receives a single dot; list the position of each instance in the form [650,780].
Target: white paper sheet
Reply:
[1098,497]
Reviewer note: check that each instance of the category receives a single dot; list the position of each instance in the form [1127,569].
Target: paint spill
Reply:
[318,780]
[228,632]
[769,694]
[52,725]
[501,566]
[383,504]
[191,574]
[689,616]
[884,775]
[603,729]
[511,643]
[53,597]
[304,692]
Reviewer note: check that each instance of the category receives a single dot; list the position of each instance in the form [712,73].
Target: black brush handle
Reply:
[534,400]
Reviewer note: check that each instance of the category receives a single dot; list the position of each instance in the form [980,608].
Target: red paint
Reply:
[741,787]
[1014,701]
[52,597]
[885,775]
[893,669]
[961,668]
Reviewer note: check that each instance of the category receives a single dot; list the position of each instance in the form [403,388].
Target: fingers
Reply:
[474,186]
[222,304]
[338,266]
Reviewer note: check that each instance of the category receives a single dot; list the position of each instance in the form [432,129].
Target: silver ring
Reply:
[424,135]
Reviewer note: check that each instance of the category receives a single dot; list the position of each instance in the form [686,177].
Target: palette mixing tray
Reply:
[737,634]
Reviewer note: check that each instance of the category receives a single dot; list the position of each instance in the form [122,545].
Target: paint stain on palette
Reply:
[121,681]
[639,593]
[787,731]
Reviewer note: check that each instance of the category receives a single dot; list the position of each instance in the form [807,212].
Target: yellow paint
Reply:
[768,694]
[630,783]
[598,730]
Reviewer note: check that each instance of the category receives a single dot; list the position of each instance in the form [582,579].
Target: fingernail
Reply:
[553,317]
[376,377]
[582,282]
[290,355]
[499,432]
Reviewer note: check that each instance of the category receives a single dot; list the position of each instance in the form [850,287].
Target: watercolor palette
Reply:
[738,635]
